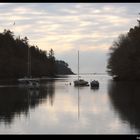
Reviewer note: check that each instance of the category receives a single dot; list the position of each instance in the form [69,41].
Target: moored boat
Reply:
[29,82]
[80,82]
[94,84]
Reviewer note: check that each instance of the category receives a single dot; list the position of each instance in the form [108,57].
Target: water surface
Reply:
[60,108]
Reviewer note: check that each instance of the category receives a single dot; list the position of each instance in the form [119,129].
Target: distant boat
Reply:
[28,81]
[80,82]
[94,84]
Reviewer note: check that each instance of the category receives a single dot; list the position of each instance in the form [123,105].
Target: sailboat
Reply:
[80,82]
[28,81]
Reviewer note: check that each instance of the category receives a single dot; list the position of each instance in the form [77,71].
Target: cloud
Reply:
[68,27]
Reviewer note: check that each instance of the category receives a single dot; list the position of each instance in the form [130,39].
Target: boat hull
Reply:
[29,83]
[94,84]
[81,83]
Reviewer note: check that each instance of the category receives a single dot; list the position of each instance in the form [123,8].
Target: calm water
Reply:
[60,108]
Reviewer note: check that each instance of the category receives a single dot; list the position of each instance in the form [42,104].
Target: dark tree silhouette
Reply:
[62,67]
[14,58]
[51,64]
[124,60]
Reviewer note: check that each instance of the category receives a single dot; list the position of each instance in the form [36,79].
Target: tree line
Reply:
[14,58]
[124,60]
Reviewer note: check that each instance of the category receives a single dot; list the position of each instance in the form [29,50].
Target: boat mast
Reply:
[78,65]
[29,63]
[78,88]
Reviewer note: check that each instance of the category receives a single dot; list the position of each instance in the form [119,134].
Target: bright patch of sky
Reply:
[90,28]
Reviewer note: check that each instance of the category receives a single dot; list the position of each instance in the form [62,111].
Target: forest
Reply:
[124,60]
[14,59]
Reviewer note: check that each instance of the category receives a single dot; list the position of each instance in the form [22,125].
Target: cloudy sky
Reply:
[68,27]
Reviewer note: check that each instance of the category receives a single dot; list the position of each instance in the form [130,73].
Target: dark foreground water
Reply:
[60,108]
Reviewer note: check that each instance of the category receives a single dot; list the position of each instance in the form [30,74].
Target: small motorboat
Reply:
[94,84]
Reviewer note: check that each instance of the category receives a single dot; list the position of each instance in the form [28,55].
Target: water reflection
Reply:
[94,88]
[82,95]
[15,101]
[125,98]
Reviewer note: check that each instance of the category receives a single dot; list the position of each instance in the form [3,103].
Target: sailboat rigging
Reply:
[29,81]
[29,64]
[80,82]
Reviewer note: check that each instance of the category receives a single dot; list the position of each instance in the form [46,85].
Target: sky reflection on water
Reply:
[60,108]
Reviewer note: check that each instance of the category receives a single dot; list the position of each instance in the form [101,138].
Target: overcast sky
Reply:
[90,28]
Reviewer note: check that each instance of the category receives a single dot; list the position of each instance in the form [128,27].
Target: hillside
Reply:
[14,60]
[62,68]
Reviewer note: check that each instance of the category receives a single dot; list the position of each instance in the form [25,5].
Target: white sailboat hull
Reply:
[29,83]
[80,83]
